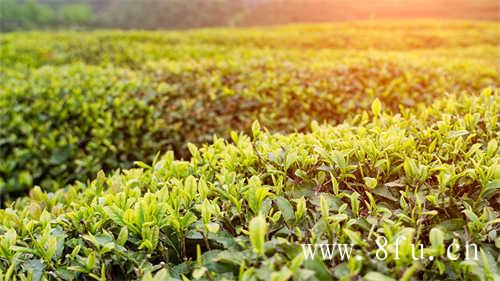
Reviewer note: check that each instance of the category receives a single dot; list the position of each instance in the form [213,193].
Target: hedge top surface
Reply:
[240,207]
[66,122]
[135,47]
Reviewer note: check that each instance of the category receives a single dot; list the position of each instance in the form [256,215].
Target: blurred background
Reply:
[181,14]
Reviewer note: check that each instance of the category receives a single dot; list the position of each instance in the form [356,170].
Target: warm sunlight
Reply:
[249,140]
[325,10]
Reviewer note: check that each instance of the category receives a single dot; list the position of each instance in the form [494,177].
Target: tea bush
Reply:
[65,123]
[137,47]
[239,208]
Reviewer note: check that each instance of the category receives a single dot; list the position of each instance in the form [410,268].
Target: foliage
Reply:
[30,14]
[428,39]
[58,126]
[239,207]
[65,122]
[213,154]
[76,14]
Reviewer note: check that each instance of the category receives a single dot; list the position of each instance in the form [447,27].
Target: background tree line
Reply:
[176,14]
[31,14]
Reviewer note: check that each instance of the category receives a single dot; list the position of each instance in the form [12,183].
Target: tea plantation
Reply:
[215,154]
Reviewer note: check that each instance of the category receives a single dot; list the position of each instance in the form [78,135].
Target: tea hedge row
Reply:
[135,54]
[134,48]
[61,124]
[240,208]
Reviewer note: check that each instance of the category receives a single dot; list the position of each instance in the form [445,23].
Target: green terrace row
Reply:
[388,35]
[65,123]
[240,207]
[135,47]
[136,54]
